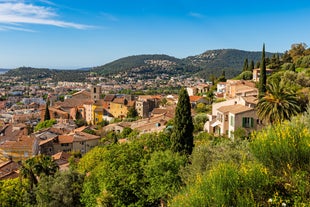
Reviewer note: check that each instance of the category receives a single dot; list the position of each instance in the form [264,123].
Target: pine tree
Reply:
[182,139]
[263,75]
[245,65]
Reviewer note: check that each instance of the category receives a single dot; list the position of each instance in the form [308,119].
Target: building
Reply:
[198,89]
[256,73]
[145,104]
[95,93]
[77,141]
[119,107]
[234,114]
[235,88]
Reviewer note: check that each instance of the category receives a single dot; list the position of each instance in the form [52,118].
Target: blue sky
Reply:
[69,34]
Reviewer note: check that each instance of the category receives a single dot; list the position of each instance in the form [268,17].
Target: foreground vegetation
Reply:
[272,168]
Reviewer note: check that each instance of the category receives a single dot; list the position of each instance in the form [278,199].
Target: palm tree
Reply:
[278,104]
[45,165]
[37,166]
[27,170]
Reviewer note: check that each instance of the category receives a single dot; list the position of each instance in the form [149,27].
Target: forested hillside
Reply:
[28,73]
[211,62]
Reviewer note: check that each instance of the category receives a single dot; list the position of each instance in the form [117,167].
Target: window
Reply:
[95,90]
[65,144]
[247,122]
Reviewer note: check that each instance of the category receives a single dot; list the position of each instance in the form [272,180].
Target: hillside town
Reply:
[26,105]
[170,140]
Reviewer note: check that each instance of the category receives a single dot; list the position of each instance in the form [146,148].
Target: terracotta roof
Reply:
[83,92]
[159,111]
[21,143]
[46,141]
[109,97]
[120,100]
[145,97]
[89,102]
[57,110]
[234,109]
[7,163]
[80,129]
[10,175]
[65,139]
[194,98]
[61,155]
[72,102]
[250,99]
[82,136]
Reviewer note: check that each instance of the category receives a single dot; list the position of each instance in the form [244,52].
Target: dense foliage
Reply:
[45,124]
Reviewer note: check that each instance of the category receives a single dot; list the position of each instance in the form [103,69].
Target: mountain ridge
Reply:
[145,66]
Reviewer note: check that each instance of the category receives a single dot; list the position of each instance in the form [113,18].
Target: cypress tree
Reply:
[263,75]
[47,115]
[245,65]
[182,139]
[251,67]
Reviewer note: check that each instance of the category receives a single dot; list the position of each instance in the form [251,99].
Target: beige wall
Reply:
[238,121]
[88,113]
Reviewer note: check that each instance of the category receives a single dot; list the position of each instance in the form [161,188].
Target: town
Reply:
[80,107]
[127,139]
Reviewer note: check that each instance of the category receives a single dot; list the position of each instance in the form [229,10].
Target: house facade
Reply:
[119,107]
[229,116]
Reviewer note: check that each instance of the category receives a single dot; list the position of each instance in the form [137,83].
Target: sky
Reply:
[72,34]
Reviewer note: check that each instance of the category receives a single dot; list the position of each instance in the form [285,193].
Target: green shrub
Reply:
[45,124]
[227,184]
[284,147]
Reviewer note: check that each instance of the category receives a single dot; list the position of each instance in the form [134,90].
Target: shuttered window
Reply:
[247,122]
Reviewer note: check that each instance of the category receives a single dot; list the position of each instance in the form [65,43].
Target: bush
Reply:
[284,146]
[227,184]
[45,124]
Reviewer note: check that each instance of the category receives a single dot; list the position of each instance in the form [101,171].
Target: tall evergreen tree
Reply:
[263,75]
[222,78]
[251,67]
[245,65]
[182,139]
[47,115]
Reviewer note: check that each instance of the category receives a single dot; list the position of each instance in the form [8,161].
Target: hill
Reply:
[203,65]
[149,65]
[28,73]
[211,62]
[230,60]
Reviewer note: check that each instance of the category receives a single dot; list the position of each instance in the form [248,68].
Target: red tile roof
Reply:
[65,139]
[194,98]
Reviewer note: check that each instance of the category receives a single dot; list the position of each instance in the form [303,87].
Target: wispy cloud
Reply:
[18,12]
[196,15]
[109,16]
[7,28]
